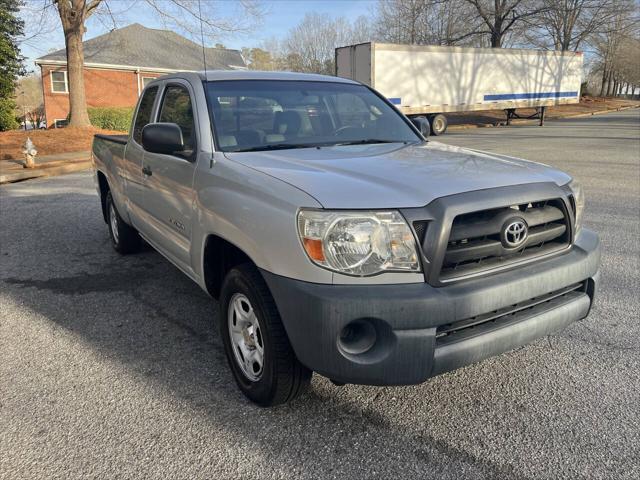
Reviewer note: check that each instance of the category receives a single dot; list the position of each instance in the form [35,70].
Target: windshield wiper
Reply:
[277,146]
[367,141]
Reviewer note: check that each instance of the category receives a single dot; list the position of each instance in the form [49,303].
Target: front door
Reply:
[132,171]
[169,194]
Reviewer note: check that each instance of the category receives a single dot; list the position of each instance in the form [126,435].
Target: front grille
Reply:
[512,313]
[476,241]
[420,228]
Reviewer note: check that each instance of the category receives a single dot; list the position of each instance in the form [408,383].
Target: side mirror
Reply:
[163,138]
[422,124]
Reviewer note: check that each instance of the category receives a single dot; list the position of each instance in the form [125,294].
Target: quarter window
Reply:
[176,108]
[59,82]
[144,113]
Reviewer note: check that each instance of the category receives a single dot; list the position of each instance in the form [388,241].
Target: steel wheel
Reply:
[438,124]
[246,337]
[113,221]
[124,237]
[256,345]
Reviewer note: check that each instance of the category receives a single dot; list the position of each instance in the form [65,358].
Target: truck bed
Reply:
[109,148]
[122,139]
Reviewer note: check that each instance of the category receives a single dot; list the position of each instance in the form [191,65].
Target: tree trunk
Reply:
[604,81]
[72,17]
[496,40]
[496,34]
[75,61]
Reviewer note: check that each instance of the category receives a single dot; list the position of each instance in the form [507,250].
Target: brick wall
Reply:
[103,88]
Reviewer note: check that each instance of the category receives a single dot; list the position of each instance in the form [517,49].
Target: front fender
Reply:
[256,213]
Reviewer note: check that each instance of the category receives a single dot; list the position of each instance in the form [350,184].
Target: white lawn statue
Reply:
[30,153]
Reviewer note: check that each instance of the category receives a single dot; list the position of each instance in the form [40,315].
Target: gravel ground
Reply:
[111,366]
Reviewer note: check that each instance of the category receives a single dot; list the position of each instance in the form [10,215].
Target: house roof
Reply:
[138,46]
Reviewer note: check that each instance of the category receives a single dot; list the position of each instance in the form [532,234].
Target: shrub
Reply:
[8,115]
[111,118]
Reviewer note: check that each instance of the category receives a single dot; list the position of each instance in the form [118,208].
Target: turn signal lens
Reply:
[314,249]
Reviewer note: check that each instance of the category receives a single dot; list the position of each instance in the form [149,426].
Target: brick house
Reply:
[118,65]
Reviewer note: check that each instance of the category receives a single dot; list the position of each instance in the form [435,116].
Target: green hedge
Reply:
[8,115]
[114,118]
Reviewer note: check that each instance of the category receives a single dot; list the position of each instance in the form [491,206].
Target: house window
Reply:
[60,122]
[146,80]
[59,82]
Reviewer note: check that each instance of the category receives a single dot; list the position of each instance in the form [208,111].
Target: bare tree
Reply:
[611,45]
[448,22]
[500,16]
[73,15]
[310,46]
[29,102]
[191,16]
[626,64]
[569,24]
[452,23]
[362,30]
[403,21]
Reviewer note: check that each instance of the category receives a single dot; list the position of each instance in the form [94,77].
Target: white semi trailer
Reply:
[431,80]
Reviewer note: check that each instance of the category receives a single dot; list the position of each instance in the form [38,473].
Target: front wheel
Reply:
[256,345]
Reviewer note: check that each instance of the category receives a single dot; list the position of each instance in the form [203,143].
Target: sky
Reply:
[281,16]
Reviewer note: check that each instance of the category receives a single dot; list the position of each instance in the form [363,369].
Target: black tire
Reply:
[124,238]
[439,124]
[282,377]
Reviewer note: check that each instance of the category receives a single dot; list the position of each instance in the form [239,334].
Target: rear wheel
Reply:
[256,344]
[124,238]
[439,124]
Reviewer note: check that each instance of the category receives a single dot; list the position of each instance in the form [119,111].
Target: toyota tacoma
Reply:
[336,237]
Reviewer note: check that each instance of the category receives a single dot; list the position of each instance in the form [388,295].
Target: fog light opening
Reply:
[357,337]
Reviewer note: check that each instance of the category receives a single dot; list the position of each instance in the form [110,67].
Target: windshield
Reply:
[253,115]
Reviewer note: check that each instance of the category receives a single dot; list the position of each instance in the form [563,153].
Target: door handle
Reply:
[147,171]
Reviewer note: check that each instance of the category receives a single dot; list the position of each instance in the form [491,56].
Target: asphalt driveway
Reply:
[111,366]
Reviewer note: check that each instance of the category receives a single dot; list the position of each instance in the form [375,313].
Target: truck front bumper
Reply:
[403,334]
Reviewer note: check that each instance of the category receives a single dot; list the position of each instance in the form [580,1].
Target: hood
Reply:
[393,175]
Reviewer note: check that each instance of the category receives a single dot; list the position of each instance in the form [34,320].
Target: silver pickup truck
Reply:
[336,237]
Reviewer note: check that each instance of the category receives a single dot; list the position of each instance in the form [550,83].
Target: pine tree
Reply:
[11,62]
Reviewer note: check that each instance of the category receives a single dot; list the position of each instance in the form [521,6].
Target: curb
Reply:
[51,169]
[501,123]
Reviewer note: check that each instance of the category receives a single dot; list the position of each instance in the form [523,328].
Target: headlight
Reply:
[358,243]
[578,197]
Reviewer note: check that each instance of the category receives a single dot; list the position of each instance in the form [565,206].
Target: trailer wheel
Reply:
[438,124]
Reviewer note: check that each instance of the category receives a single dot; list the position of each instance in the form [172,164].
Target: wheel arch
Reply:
[220,256]
[103,185]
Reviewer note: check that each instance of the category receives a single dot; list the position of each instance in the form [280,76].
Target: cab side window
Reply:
[176,108]
[144,113]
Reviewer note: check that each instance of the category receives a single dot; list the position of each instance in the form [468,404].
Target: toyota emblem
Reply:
[514,233]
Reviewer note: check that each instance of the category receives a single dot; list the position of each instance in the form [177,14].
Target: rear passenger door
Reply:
[169,195]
